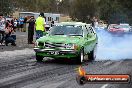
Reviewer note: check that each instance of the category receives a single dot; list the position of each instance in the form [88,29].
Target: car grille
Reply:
[40,44]
[54,45]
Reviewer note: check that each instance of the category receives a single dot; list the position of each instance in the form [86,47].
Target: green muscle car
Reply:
[74,40]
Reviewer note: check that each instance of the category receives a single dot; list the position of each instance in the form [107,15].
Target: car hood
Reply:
[61,39]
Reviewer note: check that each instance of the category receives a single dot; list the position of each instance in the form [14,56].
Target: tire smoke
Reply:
[114,46]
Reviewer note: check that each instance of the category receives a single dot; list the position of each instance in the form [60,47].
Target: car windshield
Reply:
[70,30]
[116,26]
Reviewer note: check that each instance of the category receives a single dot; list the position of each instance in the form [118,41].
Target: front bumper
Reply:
[56,53]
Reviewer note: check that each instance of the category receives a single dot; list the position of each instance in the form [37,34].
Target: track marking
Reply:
[104,86]
[108,63]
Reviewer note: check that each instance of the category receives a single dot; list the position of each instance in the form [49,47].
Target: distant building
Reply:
[49,17]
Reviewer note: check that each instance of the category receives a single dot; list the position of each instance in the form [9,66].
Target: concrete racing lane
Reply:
[19,69]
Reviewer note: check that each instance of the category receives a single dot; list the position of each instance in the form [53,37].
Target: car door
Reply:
[90,39]
[87,40]
[93,38]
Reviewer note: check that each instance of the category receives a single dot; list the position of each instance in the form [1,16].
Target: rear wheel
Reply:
[92,54]
[39,58]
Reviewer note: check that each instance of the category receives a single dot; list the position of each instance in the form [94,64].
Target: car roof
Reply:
[72,23]
[114,24]
[124,24]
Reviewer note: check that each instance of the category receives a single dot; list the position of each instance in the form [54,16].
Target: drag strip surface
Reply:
[19,69]
[25,72]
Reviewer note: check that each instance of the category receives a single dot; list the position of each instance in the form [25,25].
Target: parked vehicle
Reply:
[100,26]
[115,28]
[119,28]
[125,27]
[68,40]
[130,29]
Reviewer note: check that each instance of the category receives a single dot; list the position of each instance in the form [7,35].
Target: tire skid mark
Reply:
[97,66]
[25,67]
[15,59]
[16,62]
[51,78]
[30,76]
[108,68]
[12,67]
[63,78]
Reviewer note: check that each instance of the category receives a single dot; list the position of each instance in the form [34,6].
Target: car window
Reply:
[66,30]
[88,29]
[85,31]
[115,26]
[91,30]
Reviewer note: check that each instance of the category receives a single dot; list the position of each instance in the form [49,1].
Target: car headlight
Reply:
[75,47]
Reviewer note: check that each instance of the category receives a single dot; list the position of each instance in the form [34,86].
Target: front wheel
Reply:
[39,58]
[80,57]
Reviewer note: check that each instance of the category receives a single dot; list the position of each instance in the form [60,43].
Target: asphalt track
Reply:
[19,69]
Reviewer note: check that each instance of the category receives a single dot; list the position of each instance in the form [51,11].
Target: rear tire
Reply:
[92,54]
[39,58]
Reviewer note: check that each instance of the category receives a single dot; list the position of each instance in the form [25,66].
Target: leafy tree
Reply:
[112,11]
[65,6]
[127,8]
[81,9]
[5,7]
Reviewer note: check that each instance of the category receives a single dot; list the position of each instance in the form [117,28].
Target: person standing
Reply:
[15,24]
[2,28]
[31,22]
[40,26]
[52,23]
[25,21]
[21,23]
[12,22]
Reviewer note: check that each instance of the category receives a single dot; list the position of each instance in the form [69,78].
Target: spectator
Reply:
[21,23]
[12,23]
[18,25]
[25,21]
[31,22]
[52,23]
[2,28]
[9,38]
[40,26]
[15,24]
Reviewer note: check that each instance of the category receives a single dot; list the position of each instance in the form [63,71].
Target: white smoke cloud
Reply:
[112,47]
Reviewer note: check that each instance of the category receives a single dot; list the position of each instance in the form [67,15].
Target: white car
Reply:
[130,28]
[125,27]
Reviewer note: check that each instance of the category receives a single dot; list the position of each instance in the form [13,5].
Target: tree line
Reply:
[112,11]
